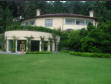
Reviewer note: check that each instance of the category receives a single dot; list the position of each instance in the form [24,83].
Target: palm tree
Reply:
[29,42]
[42,43]
[14,43]
[3,40]
[50,43]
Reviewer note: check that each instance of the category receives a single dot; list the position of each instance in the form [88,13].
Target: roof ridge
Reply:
[64,14]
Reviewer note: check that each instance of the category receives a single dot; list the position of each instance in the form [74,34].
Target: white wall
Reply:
[59,22]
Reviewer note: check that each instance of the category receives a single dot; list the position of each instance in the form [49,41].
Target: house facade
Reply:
[52,21]
[61,21]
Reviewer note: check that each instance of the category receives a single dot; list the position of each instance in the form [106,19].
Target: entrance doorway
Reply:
[21,44]
[10,45]
[46,46]
[35,45]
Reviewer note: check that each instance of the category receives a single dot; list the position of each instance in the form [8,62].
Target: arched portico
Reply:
[22,41]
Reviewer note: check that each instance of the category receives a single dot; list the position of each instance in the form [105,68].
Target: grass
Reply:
[58,68]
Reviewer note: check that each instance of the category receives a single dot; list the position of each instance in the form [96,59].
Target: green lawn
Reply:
[58,68]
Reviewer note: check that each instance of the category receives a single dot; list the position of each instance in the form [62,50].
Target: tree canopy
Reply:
[27,9]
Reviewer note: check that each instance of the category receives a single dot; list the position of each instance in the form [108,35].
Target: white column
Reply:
[16,46]
[49,46]
[7,45]
[53,46]
[40,46]
[56,46]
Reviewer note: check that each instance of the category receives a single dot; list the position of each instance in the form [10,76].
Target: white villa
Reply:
[54,21]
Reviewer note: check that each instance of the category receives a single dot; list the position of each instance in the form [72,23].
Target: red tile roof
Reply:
[62,15]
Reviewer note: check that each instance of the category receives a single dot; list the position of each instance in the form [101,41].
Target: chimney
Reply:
[91,13]
[38,12]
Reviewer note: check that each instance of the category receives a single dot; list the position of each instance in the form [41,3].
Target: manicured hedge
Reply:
[87,54]
[31,28]
[37,52]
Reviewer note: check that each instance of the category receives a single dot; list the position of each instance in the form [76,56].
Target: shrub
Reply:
[3,49]
[14,44]
[86,54]
[32,28]
[37,52]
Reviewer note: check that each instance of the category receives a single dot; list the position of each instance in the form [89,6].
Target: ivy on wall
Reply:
[32,28]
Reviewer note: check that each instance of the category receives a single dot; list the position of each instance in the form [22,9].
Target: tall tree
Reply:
[58,7]
[1,20]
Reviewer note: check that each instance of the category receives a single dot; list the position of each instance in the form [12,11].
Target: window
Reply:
[80,22]
[69,21]
[32,22]
[48,22]
[87,21]
[26,23]
[23,24]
